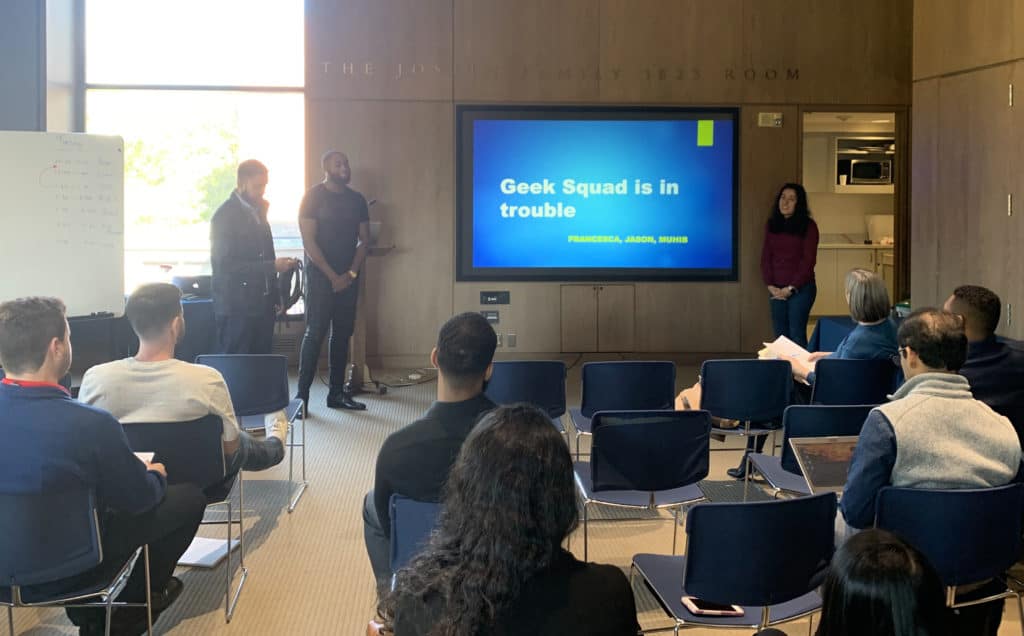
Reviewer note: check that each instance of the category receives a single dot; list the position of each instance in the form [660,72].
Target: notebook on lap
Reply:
[824,461]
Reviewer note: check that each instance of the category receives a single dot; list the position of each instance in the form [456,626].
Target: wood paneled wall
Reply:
[383,77]
[968,152]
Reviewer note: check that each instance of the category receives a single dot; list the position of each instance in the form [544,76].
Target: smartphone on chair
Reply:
[707,608]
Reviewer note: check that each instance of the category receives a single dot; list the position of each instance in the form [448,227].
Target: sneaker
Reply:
[305,404]
[278,427]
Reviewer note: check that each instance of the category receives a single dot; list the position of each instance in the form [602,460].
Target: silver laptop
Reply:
[825,461]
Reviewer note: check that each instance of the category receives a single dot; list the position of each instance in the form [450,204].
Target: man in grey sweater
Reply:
[933,434]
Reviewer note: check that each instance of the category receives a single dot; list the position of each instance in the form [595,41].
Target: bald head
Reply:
[932,341]
[980,308]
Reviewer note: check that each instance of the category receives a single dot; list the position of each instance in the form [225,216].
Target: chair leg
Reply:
[149,592]
[585,537]
[746,478]
[10,620]
[231,602]
[227,569]
[675,527]
[110,611]
[302,484]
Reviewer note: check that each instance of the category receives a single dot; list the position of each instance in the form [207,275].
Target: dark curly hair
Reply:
[980,306]
[509,502]
[798,222]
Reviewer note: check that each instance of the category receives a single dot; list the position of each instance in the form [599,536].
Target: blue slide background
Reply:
[600,151]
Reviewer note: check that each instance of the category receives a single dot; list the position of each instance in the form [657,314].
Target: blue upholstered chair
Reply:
[53,537]
[258,384]
[783,473]
[623,386]
[644,460]
[727,562]
[537,382]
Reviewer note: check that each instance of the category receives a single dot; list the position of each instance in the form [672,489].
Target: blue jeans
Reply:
[789,317]
[255,454]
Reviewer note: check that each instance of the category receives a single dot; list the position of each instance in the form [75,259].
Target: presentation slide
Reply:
[597,194]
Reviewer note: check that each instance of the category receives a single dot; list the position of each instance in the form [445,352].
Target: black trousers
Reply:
[246,334]
[168,529]
[325,310]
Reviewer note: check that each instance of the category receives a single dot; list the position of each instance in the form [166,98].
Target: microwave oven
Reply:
[870,172]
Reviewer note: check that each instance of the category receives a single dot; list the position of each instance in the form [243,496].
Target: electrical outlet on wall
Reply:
[499,339]
[510,340]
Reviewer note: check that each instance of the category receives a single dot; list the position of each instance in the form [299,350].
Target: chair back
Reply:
[649,450]
[968,535]
[191,451]
[257,383]
[537,382]
[726,556]
[746,390]
[48,537]
[819,421]
[628,386]
[844,381]
[411,524]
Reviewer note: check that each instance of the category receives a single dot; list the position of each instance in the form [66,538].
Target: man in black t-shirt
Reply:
[334,222]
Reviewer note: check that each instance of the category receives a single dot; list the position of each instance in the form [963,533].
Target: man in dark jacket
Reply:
[245,266]
[994,367]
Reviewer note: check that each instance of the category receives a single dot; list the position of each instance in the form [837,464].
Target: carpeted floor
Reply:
[308,572]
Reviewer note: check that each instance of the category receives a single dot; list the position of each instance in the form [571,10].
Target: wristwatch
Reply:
[353,274]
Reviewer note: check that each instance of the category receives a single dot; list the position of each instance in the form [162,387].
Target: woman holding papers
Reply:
[787,263]
[874,337]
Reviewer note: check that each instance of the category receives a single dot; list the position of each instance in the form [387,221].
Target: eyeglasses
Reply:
[900,353]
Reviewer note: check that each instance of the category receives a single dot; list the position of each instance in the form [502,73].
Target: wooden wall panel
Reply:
[682,51]
[953,206]
[379,49]
[924,211]
[847,52]
[394,148]
[533,313]
[1013,293]
[526,51]
[956,35]
[769,157]
[701,317]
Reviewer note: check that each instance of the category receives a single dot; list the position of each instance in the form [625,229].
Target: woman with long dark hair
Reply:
[495,564]
[787,263]
[879,585]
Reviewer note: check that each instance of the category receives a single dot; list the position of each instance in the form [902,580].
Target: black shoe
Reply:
[131,621]
[344,401]
[737,473]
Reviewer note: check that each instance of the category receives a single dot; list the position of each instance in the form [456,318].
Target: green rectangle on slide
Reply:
[705,132]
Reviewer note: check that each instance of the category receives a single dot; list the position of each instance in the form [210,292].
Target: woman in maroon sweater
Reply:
[787,263]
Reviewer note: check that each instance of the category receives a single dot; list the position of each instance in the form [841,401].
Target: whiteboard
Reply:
[62,219]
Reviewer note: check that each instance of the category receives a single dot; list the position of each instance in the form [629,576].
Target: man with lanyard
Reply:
[245,267]
[334,222]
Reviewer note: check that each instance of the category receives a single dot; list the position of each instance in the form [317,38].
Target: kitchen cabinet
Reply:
[830,274]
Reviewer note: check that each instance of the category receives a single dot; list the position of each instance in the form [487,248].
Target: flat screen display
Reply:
[591,194]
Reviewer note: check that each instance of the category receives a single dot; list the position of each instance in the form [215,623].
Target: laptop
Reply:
[825,461]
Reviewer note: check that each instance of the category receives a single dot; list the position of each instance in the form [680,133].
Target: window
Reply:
[195,87]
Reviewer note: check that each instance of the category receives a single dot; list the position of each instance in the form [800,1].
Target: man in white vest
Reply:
[932,434]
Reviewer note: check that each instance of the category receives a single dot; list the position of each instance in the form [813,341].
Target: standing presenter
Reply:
[334,222]
[787,263]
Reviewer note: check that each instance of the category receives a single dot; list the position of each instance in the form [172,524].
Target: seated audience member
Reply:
[495,564]
[879,585]
[414,461]
[874,337]
[933,434]
[153,386]
[994,369]
[55,444]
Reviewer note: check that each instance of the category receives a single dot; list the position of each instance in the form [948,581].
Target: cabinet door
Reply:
[579,318]
[825,277]
[616,318]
